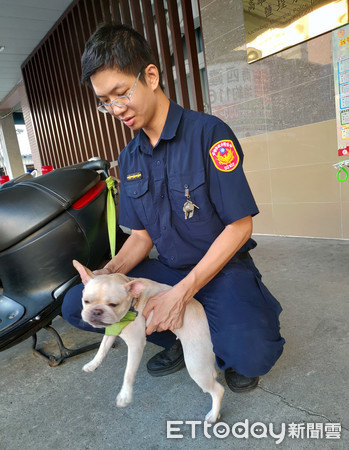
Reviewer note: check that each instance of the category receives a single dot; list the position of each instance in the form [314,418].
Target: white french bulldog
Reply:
[106,300]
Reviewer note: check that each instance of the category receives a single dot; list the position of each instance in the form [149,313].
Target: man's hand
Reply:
[168,311]
[104,271]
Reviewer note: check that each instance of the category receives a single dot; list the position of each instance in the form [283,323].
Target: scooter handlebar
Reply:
[98,164]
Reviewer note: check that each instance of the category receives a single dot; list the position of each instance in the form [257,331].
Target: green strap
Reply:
[116,328]
[111,215]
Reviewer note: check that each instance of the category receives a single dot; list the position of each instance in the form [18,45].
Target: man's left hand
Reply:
[168,311]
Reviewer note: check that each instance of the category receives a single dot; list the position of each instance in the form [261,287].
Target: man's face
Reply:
[109,84]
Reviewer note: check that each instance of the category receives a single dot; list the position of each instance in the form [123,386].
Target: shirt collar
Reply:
[169,131]
[173,118]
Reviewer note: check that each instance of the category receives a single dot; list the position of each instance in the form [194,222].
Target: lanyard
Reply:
[111,215]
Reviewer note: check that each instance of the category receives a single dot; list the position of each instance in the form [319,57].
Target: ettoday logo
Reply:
[221,430]
[243,430]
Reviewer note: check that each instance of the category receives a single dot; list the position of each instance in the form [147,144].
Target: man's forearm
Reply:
[136,248]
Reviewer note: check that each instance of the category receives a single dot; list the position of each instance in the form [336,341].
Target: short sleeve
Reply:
[228,187]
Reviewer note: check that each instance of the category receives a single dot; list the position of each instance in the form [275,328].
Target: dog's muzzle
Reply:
[95,317]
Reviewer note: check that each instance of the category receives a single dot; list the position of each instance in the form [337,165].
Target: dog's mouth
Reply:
[98,318]
[101,316]
[98,322]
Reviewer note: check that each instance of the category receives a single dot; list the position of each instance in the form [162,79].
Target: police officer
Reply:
[183,189]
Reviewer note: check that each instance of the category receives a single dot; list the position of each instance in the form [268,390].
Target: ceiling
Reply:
[23,24]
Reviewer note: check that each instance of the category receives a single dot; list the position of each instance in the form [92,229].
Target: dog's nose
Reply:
[97,312]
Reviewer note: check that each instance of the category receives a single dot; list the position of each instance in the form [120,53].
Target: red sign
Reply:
[343,151]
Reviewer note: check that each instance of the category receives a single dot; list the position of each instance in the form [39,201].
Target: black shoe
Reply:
[168,361]
[240,383]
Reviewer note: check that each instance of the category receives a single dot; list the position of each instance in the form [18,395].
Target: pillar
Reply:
[10,147]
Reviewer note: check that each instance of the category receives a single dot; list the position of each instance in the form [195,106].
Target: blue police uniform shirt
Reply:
[196,152]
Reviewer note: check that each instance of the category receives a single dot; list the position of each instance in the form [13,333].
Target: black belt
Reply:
[243,255]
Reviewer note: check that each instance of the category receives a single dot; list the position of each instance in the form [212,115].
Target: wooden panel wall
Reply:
[67,124]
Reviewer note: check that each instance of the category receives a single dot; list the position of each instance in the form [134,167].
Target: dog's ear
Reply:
[85,273]
[134,288]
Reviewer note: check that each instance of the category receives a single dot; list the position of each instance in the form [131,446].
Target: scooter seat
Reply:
[28,205]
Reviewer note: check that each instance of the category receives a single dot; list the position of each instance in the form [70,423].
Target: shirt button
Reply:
[135,192]
[172,258]
[158,163]
[164,227]
[162,196]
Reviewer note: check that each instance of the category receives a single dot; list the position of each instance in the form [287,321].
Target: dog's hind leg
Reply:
[200,362]
[104,348]
[199,357]
[216,391]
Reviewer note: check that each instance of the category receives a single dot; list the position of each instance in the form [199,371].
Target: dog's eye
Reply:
[113,305]
[86,302]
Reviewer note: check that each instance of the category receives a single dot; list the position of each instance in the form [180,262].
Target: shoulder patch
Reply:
[224,156]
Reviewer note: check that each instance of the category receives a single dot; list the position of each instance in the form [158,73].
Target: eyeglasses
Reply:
[120,102]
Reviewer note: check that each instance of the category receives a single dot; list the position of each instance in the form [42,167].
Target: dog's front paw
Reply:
[124,398]
[90,367]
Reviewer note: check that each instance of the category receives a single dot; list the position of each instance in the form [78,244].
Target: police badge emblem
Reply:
[224,156]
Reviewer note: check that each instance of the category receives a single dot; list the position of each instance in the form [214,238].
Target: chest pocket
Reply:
[139,192]
[195,183]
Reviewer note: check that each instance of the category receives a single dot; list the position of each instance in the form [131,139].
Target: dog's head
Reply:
[106,298]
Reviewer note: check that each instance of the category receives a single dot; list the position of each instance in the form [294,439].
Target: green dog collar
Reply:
[116,328]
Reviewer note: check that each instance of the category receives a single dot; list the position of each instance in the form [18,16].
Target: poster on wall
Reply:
[273,25]
[340,43]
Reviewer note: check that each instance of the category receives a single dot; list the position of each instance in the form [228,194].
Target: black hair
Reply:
[116,46]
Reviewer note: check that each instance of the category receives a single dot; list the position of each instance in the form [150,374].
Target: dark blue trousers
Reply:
[243,315]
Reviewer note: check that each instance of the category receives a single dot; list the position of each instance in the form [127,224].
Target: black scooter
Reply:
[45,223]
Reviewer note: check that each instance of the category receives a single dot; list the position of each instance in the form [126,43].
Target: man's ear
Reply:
[85,273]
[152,76]
[134,288]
